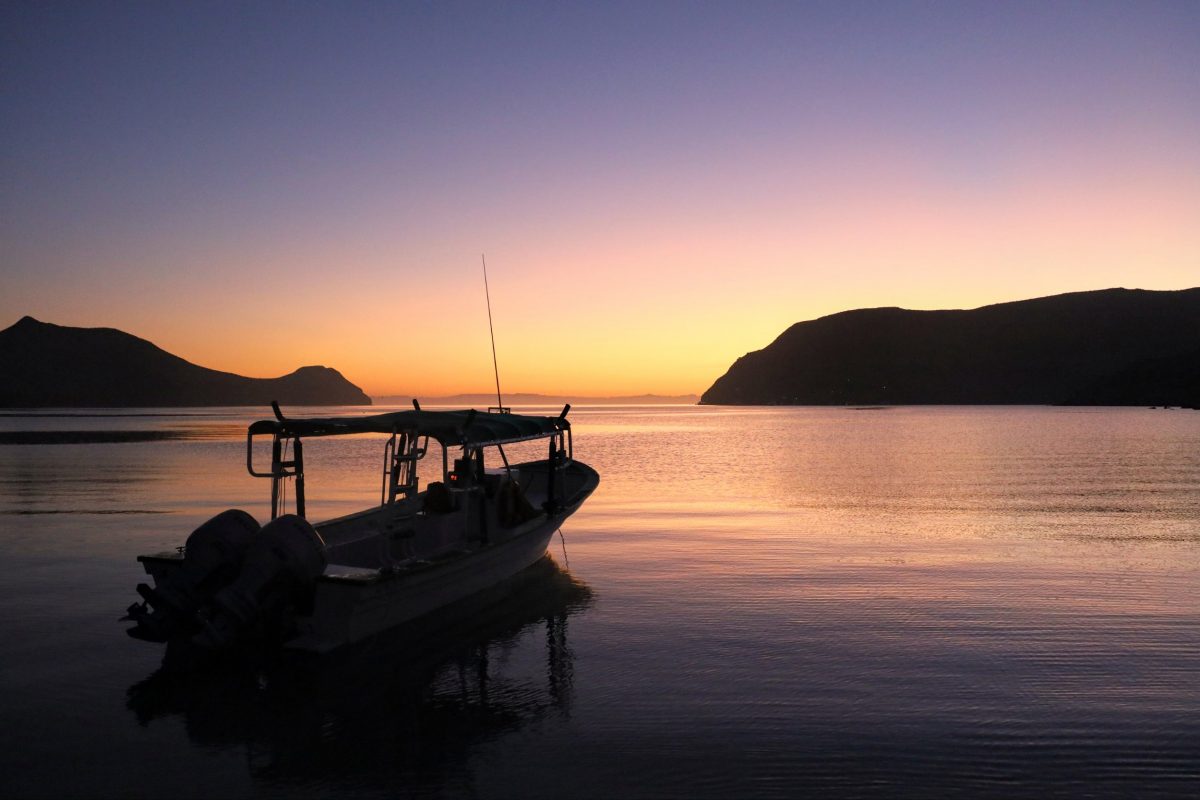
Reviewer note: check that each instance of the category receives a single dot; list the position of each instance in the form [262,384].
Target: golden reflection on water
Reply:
[965,599]
[906,514]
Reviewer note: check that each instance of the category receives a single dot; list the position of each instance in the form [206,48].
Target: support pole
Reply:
[276,477]
[299,468]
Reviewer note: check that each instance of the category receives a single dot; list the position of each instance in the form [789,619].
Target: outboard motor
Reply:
[212,557]
[278,572]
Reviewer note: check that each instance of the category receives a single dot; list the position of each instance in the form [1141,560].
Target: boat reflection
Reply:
[407,706]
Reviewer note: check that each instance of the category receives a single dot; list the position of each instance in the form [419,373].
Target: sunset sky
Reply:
[658,187]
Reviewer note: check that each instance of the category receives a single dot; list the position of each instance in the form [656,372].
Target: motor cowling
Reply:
[277,572]
[212,558]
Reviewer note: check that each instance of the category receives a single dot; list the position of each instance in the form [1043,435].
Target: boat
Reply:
[318,587]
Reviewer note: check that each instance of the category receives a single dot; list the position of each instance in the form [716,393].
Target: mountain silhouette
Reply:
[45,365]
[1108,347]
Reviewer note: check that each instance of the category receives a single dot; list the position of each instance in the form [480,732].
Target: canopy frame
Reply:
[468,429]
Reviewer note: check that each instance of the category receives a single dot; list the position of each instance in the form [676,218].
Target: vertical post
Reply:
[276,469]
[560,460]
[551,504]
[388,462]
[299,468]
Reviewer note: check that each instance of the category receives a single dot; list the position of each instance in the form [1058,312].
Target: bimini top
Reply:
[446,427]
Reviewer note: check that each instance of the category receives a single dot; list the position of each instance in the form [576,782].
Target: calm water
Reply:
[755,602]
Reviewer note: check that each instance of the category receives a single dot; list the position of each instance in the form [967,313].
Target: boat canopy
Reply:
[448,428]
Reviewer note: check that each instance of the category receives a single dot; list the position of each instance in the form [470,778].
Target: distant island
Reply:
[1108,347]
[528,399]
[44,365]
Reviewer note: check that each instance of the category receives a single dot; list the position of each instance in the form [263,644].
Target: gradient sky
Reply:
[659,187]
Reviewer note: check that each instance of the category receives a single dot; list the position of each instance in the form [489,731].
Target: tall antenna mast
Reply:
[492,333]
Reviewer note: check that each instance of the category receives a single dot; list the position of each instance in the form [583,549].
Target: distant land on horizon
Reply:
[1107,347]
[532,399]
[44,365]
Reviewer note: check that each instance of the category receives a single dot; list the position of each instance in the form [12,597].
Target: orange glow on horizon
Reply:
[642,231]
[663,306]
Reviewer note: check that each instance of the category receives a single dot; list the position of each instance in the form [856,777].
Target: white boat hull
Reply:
[375,589]
[352,604]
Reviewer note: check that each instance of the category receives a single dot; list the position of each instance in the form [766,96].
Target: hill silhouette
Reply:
[45,365]
[1114,346]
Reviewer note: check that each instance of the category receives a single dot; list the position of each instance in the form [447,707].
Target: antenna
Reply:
[491,331]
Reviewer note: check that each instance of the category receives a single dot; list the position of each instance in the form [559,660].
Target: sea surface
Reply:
[756,602]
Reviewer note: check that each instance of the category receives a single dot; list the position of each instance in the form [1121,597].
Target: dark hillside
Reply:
[1077,348]
[43,365]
